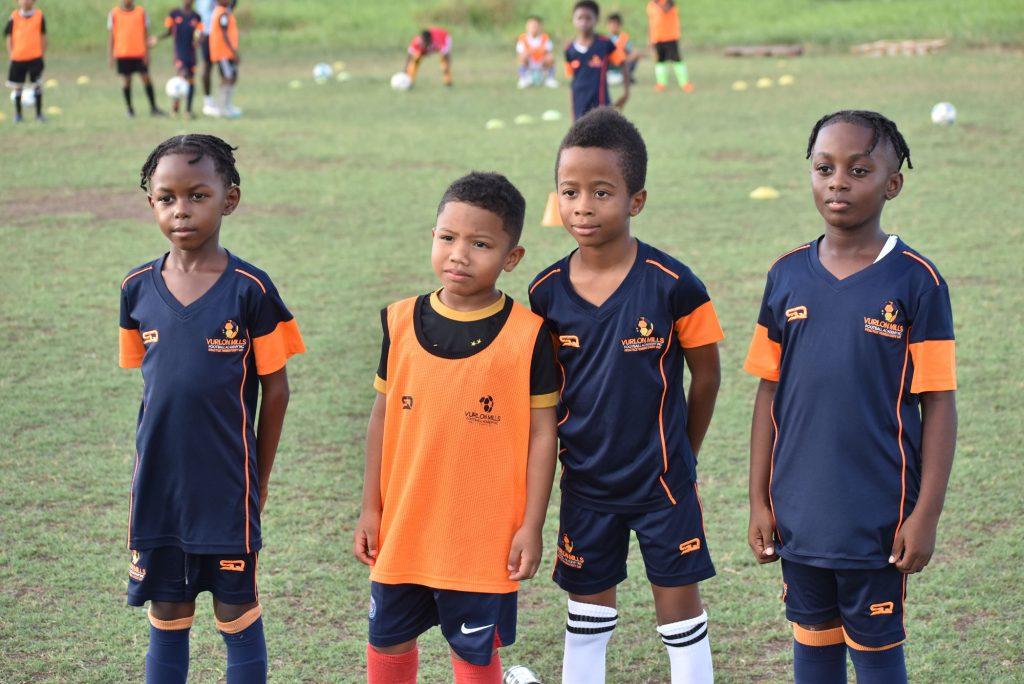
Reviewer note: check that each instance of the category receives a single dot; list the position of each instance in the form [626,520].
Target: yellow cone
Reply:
[83,80]
[764,192]
[551,217]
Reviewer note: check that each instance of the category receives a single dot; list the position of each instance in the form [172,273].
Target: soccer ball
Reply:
[322,72]
[176,88]
[943,114]
[28,96]
[615,78]
[401,81]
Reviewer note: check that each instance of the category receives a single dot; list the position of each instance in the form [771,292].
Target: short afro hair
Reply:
[604,127]
[880,126]
[588,4]
[491,192]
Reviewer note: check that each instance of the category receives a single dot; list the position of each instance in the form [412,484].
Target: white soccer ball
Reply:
[322,72]
[401,81]
[615,78]
[176,88]
[943,114]
[28,96]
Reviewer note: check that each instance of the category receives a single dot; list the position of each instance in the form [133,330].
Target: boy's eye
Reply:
[164,199]
[481,245]
[568,193]
[445,238]
[198,196]
[601,194]
[822,168]
[859,172]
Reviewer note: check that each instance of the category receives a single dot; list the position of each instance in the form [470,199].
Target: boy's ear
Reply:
[513,258]
[894,185]
[231,199]
[637,202]
[149,198]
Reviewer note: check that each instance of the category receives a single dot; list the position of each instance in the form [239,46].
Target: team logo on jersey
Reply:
[566,556]
[689,546]
[229,341]
[569,341]
[797,313]
[886,325]
[885,608]
[407,403]
[595,62]
[232,565]
[136,572]
[645,339]
[486,414]
[150,336]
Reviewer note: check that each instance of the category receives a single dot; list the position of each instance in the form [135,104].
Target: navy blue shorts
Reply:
[592,546]
[170,574]
[185,65]
[473,623]
[869,602]
[584,102]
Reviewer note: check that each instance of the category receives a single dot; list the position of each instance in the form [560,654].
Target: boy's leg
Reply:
[475,625]
[872,606]
[589,627]
[661,66]
[811,597]
[393,665]
[446,69]
[412,66]
[524,70]
[150,94]
[17,104]
[232,579]
[549,72]
[36,77]
[398,614]
[126,90]
[676,557]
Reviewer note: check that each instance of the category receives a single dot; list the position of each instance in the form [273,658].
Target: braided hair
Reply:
[879,125]
[200,146]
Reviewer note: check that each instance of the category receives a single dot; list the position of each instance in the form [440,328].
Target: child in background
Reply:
[587,58]
[25,34]
[616,73]
[535,56]
[664,34]
[429,41]
[129,49]
[184,25]
[854,423]
[224,53]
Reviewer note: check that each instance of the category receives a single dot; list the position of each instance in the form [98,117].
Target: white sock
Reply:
[689,650]
[586,640]
[225,95]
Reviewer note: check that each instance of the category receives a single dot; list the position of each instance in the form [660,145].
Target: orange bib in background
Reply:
[26,36]
[219,48]
[129,29]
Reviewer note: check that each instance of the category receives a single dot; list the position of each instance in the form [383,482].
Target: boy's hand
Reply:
[621,102]
[367,529]
[524,556]
[264,493]
[761,533]
[914,544]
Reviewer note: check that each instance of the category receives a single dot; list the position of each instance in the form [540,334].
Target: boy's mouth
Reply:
[836,204]
[585,228]
[457,276]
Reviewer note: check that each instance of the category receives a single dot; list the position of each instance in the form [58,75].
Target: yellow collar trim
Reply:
[466,316]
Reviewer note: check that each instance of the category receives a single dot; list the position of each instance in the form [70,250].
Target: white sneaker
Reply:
[211,110]
[550,82]
[524,82]
[232,113]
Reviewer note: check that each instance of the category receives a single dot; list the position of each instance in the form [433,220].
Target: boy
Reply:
[663,27]
[627,318]
[625,47]
[184,24]
[460,448]
[429,41]
[129,46]
[25,35]
[224,53]
[587,58]
[205,9]
[211,334]
[854,422]
[535,55]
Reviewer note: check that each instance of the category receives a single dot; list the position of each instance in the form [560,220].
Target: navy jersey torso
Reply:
[622,413]
[846,463]
[184,26]
[589,74]
[195,483]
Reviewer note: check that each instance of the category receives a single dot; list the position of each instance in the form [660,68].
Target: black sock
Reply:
[39,101]
[17,103]
[191,92]
[127,90]
[151,96]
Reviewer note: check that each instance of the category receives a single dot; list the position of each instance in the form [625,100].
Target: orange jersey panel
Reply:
[699,327]
[129,31]
[663,24]
[536,48]
[453,471]
[219,48]
[26,36]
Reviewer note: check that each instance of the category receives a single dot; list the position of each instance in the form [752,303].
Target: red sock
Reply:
[382,668]
[468,673]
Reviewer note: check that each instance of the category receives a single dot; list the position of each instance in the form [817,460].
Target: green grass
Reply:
[339,188]
[347,24]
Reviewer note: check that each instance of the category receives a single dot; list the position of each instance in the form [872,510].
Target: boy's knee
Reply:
[170,611]
[831,624]
[397,649]
[230,612]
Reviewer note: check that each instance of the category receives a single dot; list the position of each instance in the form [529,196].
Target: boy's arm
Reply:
[110,41]
[273,404]
[368,526]
[761,531]
[705,379]
[227,39]
[524,556]
[915,539]
[9,36]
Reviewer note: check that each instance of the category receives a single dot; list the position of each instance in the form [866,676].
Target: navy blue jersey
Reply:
[195,484]
[183,25]
[622,411]
[589,72]
[851,357]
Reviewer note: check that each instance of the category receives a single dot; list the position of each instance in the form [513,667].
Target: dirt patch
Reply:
[30,207]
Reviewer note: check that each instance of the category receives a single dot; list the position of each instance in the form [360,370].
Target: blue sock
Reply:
[247,655]
[819,664]
[167,657]
[880,667]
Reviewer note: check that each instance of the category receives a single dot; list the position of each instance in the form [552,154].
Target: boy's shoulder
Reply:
[543,282]
[665,262]
[251,275]
[923,269]
[131,280]
[789,258]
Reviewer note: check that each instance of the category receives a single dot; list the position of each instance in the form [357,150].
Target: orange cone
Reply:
[551,217]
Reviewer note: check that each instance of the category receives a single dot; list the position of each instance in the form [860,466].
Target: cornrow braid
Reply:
[199,145]
[880,126]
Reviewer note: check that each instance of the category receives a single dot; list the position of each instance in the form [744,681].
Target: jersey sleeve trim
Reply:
[924,263]
[652,262]
[250,275]
[132,275]
[275,348]
[699,327]
[540,401]
[130,348]
[764,356]
[380,384]
[544,277]
[934,366]
[792,251]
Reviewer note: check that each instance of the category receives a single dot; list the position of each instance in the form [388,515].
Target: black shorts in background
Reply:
[668,51]
[132,65]
[30,70]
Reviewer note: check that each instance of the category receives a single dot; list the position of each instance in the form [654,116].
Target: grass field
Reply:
[339,187]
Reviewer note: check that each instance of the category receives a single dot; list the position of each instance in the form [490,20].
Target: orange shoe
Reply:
[688,88]
[659,87]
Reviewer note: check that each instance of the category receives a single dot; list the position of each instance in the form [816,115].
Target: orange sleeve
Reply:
[618,56]
[699,327]
[169,22]
[130,348]
[569,71]
[274,349]
[934,366]
[764,357]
